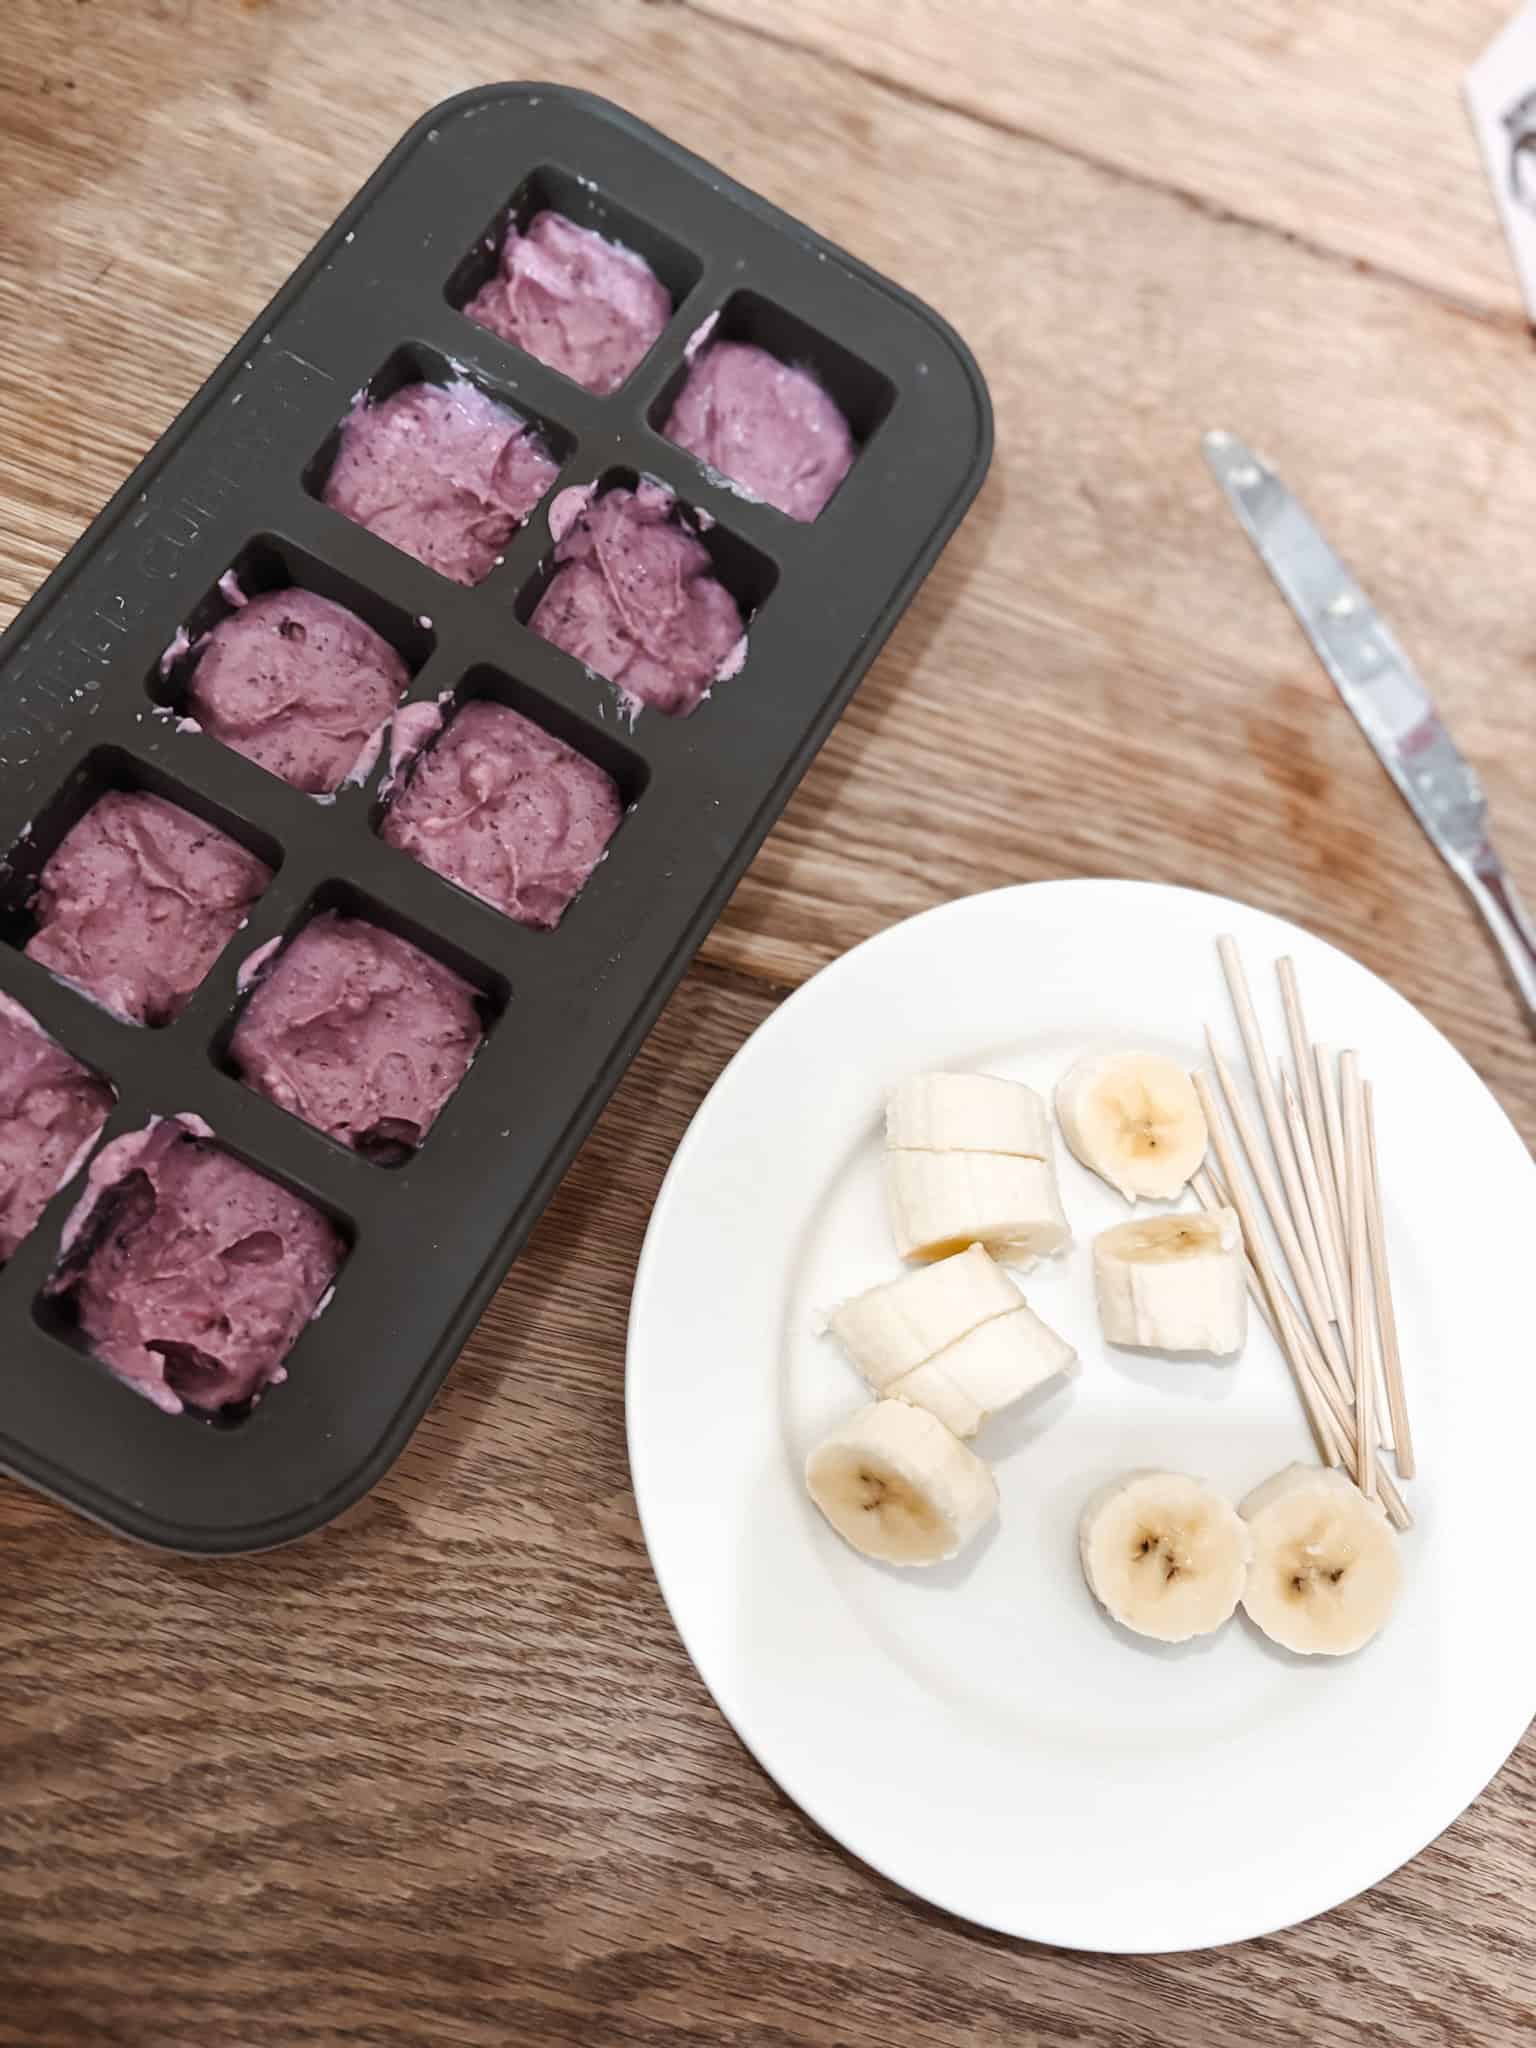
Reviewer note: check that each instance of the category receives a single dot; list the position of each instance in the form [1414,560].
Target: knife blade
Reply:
[1384,691]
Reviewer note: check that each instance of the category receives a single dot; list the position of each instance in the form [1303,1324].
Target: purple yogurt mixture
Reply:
[589,308]
[441,471]
[508,812]
[360,1033]
[764,425]
[635,598]
[193,1274]
[299,685]
[137,902]
[51,1112]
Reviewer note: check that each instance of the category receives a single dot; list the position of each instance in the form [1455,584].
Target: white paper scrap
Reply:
[1501,92]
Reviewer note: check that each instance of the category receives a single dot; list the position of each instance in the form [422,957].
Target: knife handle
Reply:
[1507,918]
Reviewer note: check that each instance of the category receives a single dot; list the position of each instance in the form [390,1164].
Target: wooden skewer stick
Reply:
[1330,1363]
[1212,1194]
[1312,1182]
[1258,1252]
[1263,1081]
[1333,1125]
[1343,1421]
[1340,1176]
[1380,1410]
[1209,1196]
[1279,1216]
[1333,1120]
[1312,1186]
[1386,1312]
[1380,1400]
[1359,1257]
[1331,1230]
[1331,1159]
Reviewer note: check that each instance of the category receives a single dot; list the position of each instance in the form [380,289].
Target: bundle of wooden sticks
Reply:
[1317,1185]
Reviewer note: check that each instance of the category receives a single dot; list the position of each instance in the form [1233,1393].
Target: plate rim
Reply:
[716,1682]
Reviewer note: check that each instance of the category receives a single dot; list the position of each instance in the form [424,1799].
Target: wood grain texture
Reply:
[1342,126]
[443,1775]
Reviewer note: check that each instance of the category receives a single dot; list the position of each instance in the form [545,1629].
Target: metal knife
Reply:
[1385,692]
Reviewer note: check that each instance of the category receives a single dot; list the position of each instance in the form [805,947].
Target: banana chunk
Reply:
[1326,1567]
[1173,1283]
[1165,1554]
[968,1113]
[899,1487]
[941,1202]
[1134,1119]
[897,1327]
[988,1370]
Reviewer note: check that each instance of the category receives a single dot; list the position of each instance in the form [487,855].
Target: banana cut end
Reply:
[900,1487]
[1174,1283]
[1165,1554]
[1327,1566]
[1134,1119]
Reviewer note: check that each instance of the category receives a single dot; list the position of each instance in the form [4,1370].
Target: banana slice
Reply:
[1134,1119]
[987,1370]
[942,1201]
[1165,1554]
[968,1113]
[1173,1283]
[895,1484]
[1326,1567]
[895,1328]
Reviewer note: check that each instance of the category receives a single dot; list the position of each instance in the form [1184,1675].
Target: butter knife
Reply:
[1385,692]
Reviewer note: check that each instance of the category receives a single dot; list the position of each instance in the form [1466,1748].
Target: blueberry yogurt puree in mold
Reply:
[507,811]
[297,684]
[192,1274]
[442,472]
[764,425]
[51,1111]
[587,307]
[360,1033]
[634,596]
[137,902]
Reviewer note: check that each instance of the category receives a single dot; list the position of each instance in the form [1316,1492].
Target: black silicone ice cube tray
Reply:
[233,484]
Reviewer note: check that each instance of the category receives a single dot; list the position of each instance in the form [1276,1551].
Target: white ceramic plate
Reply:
[981,1733]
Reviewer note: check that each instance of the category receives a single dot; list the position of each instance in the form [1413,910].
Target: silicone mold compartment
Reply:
[555,190]
[104,769]
[268,563]
[56,1313]
[864,396]
[746,572]
[346,900]
[232,484]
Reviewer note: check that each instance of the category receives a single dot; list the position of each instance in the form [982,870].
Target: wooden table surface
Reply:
[443,1774]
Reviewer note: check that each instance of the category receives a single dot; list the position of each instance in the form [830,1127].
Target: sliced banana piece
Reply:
[1166,1554]
[987,1370]
[896,1484]
[1326,1565]
[942,1201]
[968,1113]
[896,1327]
[1174,1283]
[1134,1119]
